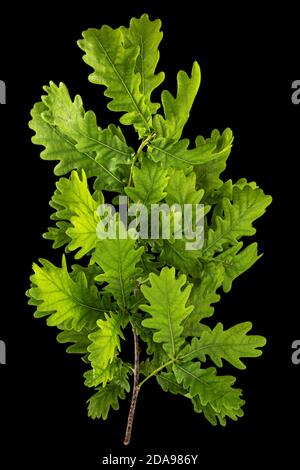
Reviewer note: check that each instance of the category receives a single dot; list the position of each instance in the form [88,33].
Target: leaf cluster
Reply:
[165,292]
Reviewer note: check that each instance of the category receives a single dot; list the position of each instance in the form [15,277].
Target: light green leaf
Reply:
[236,262]
[177,110]
[177,154]
[73,137]
[149,264]
[58,234]
[237,218]
[90,272]
[209,172]
[108,397]
[213,390]
[181,188]
[101,377]
[118,258]
[168,383]
[75,204]
[203,294]
[214,416]
[79,339]
[149,183]
[65,301]
[167,307]
[105,341]
[175,254]
[115,67]
[57,145]
[147,35]
[231,344]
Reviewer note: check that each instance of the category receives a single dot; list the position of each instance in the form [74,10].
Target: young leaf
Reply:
[181,188]
[74,203]
[177,155]
[177,110]
[236,262]
[214,416]
[64,300]
[58,234]
[105,341]
[147,35]
[213,390]
[168,383]
[149,183]
[208,173]
[118,258]
[79,339]
[108,397]
[115,67]
[73,137]
[175,254]
[204,294]
[238,216]
[231,344]
[167,307]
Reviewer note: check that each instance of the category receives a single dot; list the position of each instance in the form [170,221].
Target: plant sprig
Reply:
[158,286]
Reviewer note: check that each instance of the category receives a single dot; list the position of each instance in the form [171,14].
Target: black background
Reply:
[248,59]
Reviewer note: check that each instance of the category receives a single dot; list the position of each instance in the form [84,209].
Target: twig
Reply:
[138,153]
[136,388]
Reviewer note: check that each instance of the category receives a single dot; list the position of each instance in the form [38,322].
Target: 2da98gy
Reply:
[156,459]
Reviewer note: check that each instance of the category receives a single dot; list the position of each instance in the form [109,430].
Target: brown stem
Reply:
[136,389]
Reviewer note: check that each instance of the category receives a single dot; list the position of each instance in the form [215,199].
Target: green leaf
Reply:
[214,416]
[231,344]
[181,188]
[204,294]
[177,110]
[175,254]
[149,264]
[236,262]
[149,183]
[79,339]
[74,203]
[177,155]
[213,390]
[90,272]
[57,145]
[58,234]
[118,258]
[73,137]
[105,341]
[101,377]
[208,173]
[167,307]
[236,220]
[72,197]
[147,35]
[115,67]
[65,301]
[108,397]
[168,383]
